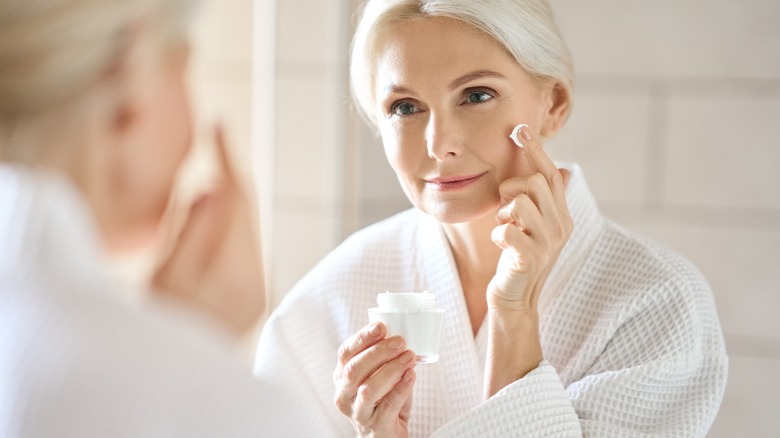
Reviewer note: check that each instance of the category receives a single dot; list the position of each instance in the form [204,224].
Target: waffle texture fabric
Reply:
[631,339]
[77,359]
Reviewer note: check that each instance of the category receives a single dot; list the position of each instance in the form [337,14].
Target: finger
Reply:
[364,338]
[370,360]
[409,377]
[355,372]
[513,212]
[534,186]
[379,385]
[226,168]
[398,402]
[541,162]
[565,174]
[510,237]
[195,246]
[173,219]
[523,215]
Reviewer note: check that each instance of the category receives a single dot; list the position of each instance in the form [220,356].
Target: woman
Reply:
[558,322]
[94,122]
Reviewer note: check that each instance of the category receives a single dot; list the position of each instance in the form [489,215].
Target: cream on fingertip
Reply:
[515,135]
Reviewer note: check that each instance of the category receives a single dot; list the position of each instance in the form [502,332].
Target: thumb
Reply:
[194,248]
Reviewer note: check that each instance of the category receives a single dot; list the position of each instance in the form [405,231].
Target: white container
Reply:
[413,316]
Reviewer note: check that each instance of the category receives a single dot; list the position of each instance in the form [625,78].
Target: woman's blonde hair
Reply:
[52,51]
[525,28]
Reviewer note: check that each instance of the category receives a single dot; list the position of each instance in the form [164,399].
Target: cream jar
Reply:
[413,316]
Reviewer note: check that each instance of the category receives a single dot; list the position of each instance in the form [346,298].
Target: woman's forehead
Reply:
[434,35]
[438,48]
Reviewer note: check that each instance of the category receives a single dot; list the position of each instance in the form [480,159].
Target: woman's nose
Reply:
[442,138]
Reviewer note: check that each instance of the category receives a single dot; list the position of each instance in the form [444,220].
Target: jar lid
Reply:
[406,300]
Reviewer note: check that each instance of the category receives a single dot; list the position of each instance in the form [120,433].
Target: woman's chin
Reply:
[461,212]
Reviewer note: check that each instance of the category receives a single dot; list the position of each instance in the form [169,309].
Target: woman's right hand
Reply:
[374,378]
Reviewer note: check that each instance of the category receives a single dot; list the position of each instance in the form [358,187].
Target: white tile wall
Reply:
[309,129]
[749,408]
[303,237]
[306,155]
[223,31]
[724,152]
[308,31]
[220,71]
[672,38]
[608,133]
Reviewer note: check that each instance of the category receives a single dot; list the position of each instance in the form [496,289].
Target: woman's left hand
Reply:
[535,225]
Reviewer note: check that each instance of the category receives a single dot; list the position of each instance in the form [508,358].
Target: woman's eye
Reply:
[478,97]
[403,109]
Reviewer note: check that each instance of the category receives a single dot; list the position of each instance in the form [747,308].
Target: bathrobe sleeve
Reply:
[662,373]
[534,406]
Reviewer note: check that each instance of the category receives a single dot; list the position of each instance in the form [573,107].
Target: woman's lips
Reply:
[453,182]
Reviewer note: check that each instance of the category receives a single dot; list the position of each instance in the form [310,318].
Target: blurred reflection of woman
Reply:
[558,322]
[94,122]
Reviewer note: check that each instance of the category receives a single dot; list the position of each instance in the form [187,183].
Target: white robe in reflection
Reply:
[629,331]
[78,360]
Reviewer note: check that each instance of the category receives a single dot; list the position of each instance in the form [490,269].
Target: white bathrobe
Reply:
[630,335]
[78,360]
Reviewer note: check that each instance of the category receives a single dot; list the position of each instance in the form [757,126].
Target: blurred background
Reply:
[676,123]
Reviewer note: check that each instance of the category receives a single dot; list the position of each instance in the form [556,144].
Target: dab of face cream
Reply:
[515,135]
[413,316]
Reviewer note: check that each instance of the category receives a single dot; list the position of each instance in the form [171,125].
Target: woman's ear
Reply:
[558,110]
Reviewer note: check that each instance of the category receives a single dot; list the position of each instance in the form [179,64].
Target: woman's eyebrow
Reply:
[475,75]
[468,77]
[399,89]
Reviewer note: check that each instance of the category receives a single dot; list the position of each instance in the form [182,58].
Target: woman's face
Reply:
[447,98]
[152,147]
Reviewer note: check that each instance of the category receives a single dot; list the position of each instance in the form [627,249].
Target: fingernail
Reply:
[407,357]
[408,376]
[396,344]
[514,135]
[374,330]
[525,132]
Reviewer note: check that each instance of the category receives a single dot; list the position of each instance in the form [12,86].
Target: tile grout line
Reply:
[702,217]
[654,192]
[750,346]
[693,86]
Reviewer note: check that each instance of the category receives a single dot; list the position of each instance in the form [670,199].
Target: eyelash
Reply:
[469,92]
[395,105]
[472,91]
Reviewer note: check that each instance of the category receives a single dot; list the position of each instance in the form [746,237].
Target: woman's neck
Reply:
[476,257]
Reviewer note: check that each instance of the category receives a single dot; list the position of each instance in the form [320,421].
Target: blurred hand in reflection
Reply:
[215,266]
